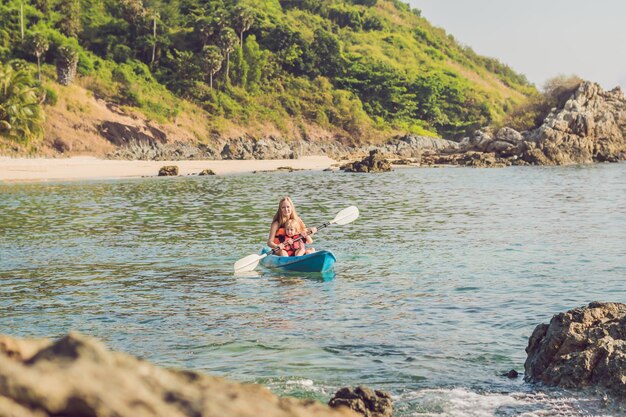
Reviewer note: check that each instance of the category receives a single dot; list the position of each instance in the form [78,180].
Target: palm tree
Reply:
[243,20]
[211,61]
[38,44]
[227,41]
[21,115]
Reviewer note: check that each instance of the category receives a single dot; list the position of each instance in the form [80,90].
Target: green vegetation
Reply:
[532,113]
[359,68]
[20,112]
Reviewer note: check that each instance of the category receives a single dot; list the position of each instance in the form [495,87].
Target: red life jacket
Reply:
[280,237]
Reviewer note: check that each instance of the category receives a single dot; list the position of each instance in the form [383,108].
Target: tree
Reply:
[38,45]
[67,60]
[242,20]
[69,24]
[227,41]
[327,52]
[21,116]
[211,61]
[256,59]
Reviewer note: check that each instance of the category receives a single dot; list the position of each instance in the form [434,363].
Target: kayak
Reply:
[320,261]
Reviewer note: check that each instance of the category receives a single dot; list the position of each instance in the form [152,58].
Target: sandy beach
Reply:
[90,168]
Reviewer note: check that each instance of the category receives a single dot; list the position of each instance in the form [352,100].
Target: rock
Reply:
[512,374]
[372,163]
[412,146]
[584,347]
[365,401]
[61,145]
[78,376]
[207,172]
[121,134]
[168,170]
[590,127]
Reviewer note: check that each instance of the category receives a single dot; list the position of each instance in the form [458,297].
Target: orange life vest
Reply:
[280,237]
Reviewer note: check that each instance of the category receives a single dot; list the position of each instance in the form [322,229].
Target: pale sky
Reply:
[540,38]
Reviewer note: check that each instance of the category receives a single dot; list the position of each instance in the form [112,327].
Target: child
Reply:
[291,240]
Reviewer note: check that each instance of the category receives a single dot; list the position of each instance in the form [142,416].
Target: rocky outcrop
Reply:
[374,162]
[411,146]
[365,401]
[589,127]
[78,376]
[247,147]
[584,347]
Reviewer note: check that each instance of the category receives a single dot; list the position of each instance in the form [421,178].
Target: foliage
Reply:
[351,66]
[21,116]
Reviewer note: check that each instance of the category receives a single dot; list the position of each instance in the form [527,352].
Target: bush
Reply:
[51,97]
[533,112]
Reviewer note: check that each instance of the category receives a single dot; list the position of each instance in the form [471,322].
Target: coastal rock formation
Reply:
[365,401]
[374,162]
[506,142]
[248,147]
[584,347]
[411,146]
[78,376]
[589,127]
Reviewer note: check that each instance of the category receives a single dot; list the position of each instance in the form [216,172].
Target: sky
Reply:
[540,38]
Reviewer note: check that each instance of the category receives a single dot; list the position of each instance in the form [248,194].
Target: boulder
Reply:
[207,172]
[78,376]
[584,347]
[365,401]
[374,162]
[168,170]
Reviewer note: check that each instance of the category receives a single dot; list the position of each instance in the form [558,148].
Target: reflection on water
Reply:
[436,289]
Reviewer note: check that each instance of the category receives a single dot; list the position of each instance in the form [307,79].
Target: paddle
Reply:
[345,216]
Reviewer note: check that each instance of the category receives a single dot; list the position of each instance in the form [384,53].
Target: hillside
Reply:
[354,71]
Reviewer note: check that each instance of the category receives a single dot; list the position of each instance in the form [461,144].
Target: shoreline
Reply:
[14,170]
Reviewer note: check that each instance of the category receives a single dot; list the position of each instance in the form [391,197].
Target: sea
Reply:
[437,288]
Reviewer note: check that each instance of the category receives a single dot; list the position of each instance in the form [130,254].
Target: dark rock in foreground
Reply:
[77,376]
[365,401]
[584,347]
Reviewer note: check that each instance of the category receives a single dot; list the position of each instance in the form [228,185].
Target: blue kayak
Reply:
[320,261]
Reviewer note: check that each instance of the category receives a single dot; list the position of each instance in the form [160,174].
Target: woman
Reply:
[286,211]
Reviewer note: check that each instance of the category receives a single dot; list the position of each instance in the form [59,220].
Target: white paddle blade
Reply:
[248,263]
[347,215]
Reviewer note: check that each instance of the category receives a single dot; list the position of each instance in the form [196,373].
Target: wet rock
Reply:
[374,162]
[78,376]
[365,401]
[168,170]
[512,374]
[207,172]
[584,347]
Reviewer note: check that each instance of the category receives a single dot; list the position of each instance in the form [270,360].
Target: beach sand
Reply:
[90,168]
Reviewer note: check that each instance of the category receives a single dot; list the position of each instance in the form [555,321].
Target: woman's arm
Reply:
[272,236]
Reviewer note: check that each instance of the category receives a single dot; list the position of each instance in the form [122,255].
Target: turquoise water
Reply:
[437,287]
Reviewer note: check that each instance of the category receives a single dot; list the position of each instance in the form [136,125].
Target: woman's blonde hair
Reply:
[282,220]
